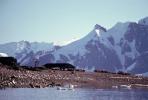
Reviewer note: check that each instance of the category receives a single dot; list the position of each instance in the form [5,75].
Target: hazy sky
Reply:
[63,20]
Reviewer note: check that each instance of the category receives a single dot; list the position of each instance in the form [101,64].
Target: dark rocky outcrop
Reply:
[9,61]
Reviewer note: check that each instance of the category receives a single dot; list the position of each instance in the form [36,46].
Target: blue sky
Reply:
[60,21]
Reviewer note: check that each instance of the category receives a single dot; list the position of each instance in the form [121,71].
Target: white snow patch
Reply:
[130,68]
[22,57]
[22,45]
[134,53]
[143,21]
[121,57]
[98,32]
[3,55]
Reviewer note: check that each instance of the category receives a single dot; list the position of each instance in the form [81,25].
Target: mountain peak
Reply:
[99,27]
[23,45]
[98,30]
[143,21]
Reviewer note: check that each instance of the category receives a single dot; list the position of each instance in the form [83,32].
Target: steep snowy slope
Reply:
[92,51]
[123,47]
[78,47]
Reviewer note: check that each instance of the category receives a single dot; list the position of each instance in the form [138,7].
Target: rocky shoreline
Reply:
[23,78]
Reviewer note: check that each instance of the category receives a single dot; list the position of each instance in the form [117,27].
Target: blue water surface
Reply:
[77,94]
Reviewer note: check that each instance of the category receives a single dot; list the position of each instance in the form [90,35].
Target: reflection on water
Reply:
[77,94]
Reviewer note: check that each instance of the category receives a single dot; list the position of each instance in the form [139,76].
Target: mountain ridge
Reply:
[122,47]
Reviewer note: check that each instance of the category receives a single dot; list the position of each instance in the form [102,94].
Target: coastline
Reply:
[23,78]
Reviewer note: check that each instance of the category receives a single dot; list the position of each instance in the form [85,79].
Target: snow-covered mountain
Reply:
[123,47]
[92,51]
[22,49]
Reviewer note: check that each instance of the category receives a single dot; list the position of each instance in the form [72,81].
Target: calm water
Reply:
[77,94]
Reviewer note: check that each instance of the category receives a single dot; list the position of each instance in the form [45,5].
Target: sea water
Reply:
[77,94]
